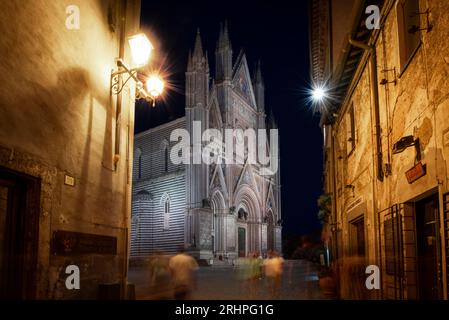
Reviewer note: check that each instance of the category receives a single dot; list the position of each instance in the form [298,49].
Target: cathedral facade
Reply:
[217,211]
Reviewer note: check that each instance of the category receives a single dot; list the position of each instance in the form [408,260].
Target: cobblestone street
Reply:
[299,282]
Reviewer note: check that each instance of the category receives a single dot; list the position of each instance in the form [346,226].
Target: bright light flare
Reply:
[155,86]
[141,49]
[318,94]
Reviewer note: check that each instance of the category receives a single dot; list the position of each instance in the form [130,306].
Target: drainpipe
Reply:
[118,116]
[334,193]
[118,111]
[375,94]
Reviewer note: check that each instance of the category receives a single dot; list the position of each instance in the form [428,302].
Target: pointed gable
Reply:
[218,180]
[247,178]
[271,200]
[215,114]
[241,80]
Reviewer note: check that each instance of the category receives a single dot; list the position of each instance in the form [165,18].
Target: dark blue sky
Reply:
[277,34]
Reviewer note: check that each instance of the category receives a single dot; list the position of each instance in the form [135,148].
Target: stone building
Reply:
[217,211]
[65,151]
[385,121]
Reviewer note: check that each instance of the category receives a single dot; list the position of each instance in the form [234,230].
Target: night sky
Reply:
[273,32]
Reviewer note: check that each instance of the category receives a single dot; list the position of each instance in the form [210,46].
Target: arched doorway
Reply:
[140,213]
[247,200]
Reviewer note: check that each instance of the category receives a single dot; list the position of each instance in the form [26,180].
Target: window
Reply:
[140,167]
[350,130]
[167,214]
[165,202]
[138,155]
[392,244]
[408,30]
[165,154]
[357,237]
[166,159]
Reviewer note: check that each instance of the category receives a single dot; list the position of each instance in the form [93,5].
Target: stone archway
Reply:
[141,214]
[247,200]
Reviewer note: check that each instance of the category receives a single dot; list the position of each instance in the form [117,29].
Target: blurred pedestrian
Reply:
[351,278]
[273,273]
[182,267]
[244,273]
[255,276]
[160,277]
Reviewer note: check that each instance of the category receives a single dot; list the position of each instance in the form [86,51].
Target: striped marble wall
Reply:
[154,183]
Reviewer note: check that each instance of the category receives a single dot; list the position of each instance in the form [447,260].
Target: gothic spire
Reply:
[223,38]
[225,33]
[220,35]
[198,51]
[259,87]
[223,55]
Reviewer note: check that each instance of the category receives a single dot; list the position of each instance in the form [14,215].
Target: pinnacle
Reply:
[198,51]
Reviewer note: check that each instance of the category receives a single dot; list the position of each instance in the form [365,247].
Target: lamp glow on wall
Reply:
[141,49]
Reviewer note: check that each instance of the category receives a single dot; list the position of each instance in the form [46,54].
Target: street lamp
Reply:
[141,49]
[155,86]
[318,94]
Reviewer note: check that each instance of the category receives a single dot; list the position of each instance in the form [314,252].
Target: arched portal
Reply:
[140,216]
[249,225]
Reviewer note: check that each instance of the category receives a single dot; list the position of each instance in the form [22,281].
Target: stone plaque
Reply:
[65,243]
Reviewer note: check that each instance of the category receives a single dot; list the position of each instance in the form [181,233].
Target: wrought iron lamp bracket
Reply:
[117,83]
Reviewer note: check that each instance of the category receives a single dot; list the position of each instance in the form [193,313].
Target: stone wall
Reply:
[58,118]
[417,104]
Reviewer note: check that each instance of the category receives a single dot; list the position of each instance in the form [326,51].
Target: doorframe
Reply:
[351,226]
[440,255]
[24,274]
[246,239]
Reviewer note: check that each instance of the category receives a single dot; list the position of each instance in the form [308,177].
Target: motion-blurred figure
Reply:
[256,268]
[244,274]
[273,272]
[160,277]
[182,267]
[351,278]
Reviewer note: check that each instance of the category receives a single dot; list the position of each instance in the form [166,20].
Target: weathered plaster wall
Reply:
[418,104]
[57,118]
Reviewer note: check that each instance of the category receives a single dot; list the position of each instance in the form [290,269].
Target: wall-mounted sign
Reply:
[69,180]
[418,171]
[66,243]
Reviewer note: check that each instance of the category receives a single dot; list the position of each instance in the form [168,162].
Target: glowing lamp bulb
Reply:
[141,49]
[155,86]
[318,94]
